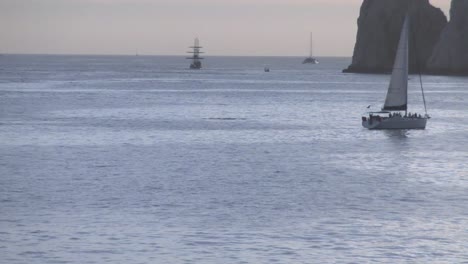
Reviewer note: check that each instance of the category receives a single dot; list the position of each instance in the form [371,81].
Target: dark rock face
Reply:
[450,55]
[380,23]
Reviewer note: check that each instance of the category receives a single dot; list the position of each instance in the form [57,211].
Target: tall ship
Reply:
[396,102]
[196,59]
[311,59]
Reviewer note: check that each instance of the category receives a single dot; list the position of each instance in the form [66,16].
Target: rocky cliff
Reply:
[380,23]
[450,54]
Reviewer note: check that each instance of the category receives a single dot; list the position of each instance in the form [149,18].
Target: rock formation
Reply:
[450,54]
[380,23]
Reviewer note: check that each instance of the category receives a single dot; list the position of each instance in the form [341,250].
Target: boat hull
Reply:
[395,123]
[310,60]
[196,65]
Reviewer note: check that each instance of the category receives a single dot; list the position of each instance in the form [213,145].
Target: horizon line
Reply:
[169,55]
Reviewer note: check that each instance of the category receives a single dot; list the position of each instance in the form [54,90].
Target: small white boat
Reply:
[397,95]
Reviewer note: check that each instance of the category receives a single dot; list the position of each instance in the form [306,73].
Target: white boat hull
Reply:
[395,123]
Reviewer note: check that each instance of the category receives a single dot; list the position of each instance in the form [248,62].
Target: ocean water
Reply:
[108,159]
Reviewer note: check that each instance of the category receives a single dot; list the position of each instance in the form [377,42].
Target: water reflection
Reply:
[397,133]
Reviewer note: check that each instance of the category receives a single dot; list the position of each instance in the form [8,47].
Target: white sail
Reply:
[397,95]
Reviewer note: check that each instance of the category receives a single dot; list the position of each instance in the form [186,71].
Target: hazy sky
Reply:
[167,27]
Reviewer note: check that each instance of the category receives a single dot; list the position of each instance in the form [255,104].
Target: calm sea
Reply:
[125,159]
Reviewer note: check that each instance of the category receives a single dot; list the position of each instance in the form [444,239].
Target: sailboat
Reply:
[196,63]
[391,116]
[310,59]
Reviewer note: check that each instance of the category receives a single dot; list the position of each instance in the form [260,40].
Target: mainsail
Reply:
[397,95]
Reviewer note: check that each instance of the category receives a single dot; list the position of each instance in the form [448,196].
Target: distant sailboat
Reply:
[196,63]
[311,59]
[397,94]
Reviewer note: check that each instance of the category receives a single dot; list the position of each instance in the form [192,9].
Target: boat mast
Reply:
[311,45]
[196,50]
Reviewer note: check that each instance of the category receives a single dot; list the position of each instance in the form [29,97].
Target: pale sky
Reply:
[167,27]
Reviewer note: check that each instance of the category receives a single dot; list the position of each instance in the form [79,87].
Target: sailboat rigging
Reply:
[396,100]
[196,59]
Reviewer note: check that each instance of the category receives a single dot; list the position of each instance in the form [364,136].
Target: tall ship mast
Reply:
[196,59]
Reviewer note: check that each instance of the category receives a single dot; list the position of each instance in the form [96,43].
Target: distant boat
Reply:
[390,116]
[196,63]
[311,59]
[266,69]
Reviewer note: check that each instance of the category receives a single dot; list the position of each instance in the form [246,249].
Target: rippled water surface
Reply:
[140,160]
